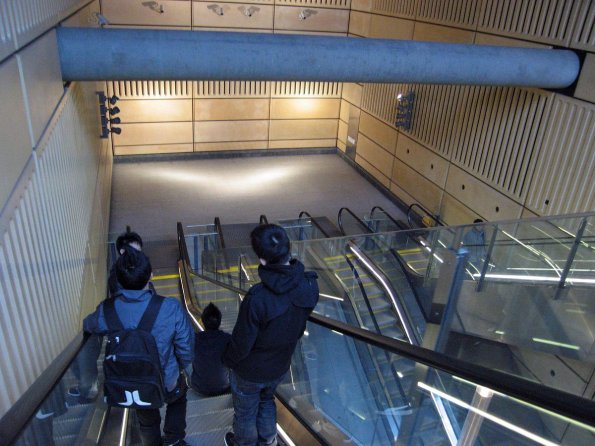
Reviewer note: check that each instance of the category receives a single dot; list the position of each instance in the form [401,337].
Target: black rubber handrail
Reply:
[425,211]
[359,220]
[219,230]
[313,221]
[563,403]
[398,223]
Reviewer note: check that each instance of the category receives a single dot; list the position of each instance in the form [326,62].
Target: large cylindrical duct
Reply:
[149,54]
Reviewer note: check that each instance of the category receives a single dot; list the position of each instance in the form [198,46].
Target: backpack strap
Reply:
[150,315]
[111,317]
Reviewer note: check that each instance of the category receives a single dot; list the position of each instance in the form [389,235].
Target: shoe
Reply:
[229,439]
[74,391]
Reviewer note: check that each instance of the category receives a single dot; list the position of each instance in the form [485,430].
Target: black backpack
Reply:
[132,368]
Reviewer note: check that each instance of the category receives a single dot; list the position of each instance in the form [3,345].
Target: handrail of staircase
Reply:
[350,212]
[313,221]
[219,230]
[563,403]
[397,223]
[397,305]
[425,211]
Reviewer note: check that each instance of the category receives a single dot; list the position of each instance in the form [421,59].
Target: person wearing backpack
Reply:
[150,342]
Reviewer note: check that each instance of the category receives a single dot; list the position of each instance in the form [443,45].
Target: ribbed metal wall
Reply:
[547,21]
[344,4]
[564,178]
[491,132]
[460,13]
[7,43]
[44,233]
[30,18]
[222,89]
[150,89]
[306,89]
[396,8]
[584,31]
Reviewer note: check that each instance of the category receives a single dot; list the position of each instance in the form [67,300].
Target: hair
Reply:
[270,242]
[478,220]
[211,317]
[127,238]
[133,269]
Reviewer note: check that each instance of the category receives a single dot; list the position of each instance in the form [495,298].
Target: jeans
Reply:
[255,415]
[174,428]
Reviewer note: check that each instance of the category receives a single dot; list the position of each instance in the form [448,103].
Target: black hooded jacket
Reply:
[272,318]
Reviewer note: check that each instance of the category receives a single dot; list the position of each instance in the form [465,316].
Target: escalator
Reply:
[328,393]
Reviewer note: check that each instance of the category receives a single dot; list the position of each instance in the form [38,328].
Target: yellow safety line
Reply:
[165,277]
[409,251]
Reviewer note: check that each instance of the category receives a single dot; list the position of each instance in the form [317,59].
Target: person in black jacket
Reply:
[271,320]
[210,376]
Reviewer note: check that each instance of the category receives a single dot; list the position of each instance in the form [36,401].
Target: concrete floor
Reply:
[151,196]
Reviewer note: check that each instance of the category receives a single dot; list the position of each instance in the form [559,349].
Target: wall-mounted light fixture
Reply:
[404,110]
[106,110]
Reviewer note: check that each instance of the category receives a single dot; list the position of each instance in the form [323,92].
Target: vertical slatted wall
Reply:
[44,233]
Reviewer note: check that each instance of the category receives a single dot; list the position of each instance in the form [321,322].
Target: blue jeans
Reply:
[255,415]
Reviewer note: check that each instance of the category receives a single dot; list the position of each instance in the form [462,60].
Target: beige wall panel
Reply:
[372,171]
[359,23]
[155,110]
[528,214]
[453,212]
[401,194]
[232,30]
[424,161]
[215,131]
[305,108]
[362,5]
[230,109]
[152,149]
[490,39]
[344,111]
[342,132]
[301,129]
[302,143]
[382,27]
[85,18]
[224,146]
[438,33]
[154,133]
[352,93]
[15,145]
[341,146]
[480,197]
[375,155]
[232,15]
[39,64]
[311,19]
[136,12]
[422,190]
[585,89]
[378,131]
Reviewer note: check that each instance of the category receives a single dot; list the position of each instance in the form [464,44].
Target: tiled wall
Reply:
[55,180]
[490,152]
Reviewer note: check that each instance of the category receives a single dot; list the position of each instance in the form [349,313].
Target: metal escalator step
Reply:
[211,438]
[199,423]
[209,403]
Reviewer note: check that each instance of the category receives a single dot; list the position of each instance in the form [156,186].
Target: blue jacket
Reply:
[172,331]
[271,320]
[209,375]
